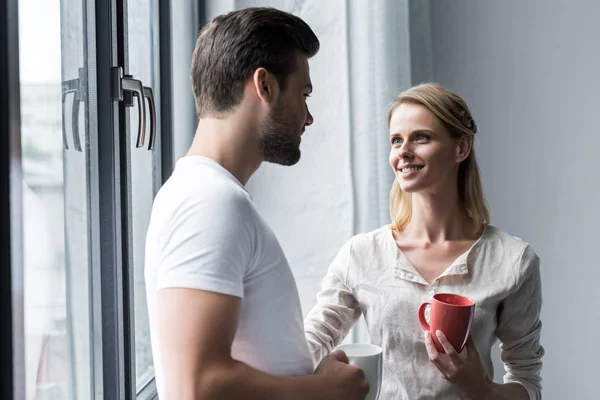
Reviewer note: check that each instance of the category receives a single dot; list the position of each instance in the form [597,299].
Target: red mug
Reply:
[450,313]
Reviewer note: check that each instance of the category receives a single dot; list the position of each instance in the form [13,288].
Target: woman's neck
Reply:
[437,219]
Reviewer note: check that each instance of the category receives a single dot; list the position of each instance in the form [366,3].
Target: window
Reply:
[95,149]
[54,191]
[145,173]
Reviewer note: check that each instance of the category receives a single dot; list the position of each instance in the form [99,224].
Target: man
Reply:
[225,315]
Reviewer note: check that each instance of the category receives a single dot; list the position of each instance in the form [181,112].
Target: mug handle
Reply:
[422,319]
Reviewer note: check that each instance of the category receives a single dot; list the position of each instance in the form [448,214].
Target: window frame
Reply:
[12,333]
[108,315]
[110,283]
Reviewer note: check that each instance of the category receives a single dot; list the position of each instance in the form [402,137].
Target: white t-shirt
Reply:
[205,233]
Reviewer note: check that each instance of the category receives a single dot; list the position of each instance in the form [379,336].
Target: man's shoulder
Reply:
[210,192]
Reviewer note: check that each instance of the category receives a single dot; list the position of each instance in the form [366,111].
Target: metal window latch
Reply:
[78,87]
[125,88]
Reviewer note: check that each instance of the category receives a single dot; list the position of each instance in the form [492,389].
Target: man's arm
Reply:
[196,332]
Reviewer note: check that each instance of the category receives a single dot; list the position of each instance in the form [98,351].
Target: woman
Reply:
[439,240]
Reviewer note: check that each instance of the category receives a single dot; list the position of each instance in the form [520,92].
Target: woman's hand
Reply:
[463,369]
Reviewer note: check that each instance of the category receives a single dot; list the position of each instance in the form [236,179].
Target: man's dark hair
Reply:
[232,46]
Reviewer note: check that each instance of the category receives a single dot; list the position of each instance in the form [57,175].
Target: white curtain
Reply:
[341,185]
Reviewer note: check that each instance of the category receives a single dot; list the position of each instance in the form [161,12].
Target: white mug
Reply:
[369,358]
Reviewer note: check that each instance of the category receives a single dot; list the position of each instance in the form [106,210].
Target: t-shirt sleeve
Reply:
[208,244]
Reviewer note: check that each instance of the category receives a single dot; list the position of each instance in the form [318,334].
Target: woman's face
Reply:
[423,155]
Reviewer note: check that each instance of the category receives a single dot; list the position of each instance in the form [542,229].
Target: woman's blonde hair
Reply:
[455,115]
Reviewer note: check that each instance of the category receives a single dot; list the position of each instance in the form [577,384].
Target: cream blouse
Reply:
[371,276]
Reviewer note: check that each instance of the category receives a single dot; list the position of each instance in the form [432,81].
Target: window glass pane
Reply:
[55,220]
[143,45]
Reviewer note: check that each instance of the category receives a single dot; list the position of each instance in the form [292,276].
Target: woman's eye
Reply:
[422,138]
[395,141]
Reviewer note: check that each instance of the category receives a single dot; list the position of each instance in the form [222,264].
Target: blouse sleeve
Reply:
[519,327]
[336,311]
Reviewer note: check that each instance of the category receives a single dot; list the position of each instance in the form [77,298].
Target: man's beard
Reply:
[280,142]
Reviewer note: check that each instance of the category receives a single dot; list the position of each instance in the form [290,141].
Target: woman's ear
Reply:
[463,148]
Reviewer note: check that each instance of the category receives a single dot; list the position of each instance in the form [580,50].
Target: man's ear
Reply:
[463,148]
[265,85]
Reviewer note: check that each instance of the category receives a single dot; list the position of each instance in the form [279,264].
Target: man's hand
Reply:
[347,381]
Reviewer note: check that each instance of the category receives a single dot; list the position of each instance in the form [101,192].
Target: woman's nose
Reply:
[404,153]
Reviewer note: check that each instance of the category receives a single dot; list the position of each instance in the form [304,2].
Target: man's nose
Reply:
[309,118]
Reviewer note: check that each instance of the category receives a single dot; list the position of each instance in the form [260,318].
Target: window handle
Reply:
[78,89]
[65,93]
[136,88]
[75,121]
[149,94]
[124,89]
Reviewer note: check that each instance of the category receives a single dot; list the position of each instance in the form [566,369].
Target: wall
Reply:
[184,31]
[530,72]
[309,205]
[341,185]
